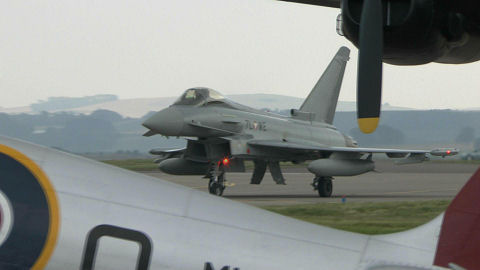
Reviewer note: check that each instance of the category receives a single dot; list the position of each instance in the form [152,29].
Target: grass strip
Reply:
[366,217]
[134,164]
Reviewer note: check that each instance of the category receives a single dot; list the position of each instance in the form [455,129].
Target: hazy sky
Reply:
[142,48]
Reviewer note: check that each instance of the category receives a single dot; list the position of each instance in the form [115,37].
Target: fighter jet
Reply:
[223,133]
[60,211]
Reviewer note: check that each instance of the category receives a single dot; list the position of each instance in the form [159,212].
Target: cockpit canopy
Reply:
[199,96]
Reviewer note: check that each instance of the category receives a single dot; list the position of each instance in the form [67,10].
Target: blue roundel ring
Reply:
[29,215]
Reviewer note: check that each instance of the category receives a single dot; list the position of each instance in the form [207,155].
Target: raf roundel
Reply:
[6,218]
[29,215]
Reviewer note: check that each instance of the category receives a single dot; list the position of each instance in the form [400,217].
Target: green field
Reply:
[134,164]
[456,161]
[366,217]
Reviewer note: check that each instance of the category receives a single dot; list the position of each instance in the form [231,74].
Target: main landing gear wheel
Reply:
[323,185]
[216,184]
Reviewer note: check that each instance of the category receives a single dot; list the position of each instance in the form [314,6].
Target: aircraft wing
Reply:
[392,153]
[324,3]
[163,153]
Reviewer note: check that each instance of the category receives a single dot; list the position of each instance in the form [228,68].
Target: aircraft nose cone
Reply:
[168,122]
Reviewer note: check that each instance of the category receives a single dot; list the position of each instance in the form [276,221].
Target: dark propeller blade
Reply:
[325,3]
[369,80]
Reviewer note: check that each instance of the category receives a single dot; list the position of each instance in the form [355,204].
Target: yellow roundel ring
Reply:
[33,171]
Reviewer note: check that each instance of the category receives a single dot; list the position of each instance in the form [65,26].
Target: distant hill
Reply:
[24,109]
[67,103]
[109,132]
[138,107]
[433,127]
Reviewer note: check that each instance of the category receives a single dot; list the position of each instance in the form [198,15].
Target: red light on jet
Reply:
[225,161]
[449,152]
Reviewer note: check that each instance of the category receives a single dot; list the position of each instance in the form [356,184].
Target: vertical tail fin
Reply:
[322,100]
[457,246]
[459,241]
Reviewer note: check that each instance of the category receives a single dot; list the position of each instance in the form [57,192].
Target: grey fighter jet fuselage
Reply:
[224,118]
[221,132]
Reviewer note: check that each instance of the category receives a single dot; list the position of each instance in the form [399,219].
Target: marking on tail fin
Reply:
[459,241]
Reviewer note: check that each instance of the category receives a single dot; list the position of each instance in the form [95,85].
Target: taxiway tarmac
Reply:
[391,183]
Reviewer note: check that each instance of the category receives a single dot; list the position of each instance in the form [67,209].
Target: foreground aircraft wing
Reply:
[393,153]
[89,214]
[324,3]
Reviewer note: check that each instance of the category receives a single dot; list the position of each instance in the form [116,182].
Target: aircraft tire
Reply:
[215,188]
[325,187]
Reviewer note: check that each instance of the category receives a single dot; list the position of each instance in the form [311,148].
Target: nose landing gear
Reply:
[216,175]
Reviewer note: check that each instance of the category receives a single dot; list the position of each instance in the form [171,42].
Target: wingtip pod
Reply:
[368,125]
[459,241]
[444,152]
